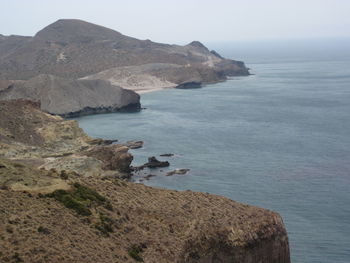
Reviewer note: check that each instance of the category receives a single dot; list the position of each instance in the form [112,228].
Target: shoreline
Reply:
[143,91]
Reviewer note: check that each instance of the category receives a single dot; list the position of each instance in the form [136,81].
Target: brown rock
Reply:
[134,144]
[154,163]
[178,171]
[114,157]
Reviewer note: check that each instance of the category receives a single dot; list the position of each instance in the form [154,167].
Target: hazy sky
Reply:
[182,21]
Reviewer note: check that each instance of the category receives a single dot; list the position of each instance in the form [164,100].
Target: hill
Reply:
[72,48]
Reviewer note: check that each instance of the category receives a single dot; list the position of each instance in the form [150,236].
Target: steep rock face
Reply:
[73,49]
[72,97]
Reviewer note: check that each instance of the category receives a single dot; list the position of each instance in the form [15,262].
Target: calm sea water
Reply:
[279,139]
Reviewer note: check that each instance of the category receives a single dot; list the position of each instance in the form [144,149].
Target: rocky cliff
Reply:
[45,141]
[68,97]
[63,200]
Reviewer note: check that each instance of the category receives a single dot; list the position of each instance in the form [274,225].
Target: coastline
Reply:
[143,91]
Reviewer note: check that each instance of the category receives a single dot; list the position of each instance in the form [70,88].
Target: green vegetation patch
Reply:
[105,226]
[134,252]
[79,199]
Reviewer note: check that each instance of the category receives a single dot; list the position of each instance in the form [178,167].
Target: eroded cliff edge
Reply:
[63,201]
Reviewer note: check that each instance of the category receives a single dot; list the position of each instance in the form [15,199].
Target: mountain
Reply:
[74,49]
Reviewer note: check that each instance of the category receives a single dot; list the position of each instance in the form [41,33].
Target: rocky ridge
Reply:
[60,187]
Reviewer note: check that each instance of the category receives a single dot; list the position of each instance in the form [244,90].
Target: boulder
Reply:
[114,157]
[166,155]
[134,144]
[154,163]
[178,171]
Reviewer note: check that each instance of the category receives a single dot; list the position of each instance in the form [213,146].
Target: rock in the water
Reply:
[166,155]
[147,177]
[178,171]
[134,144]
[99,141]
[189,85]
[154,163]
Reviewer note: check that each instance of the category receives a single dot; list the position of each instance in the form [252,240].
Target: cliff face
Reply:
[70,98]
[75,208]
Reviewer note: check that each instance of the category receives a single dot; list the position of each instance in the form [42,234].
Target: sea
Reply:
[278,139]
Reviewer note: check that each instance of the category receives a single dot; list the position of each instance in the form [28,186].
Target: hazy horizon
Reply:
[183,21]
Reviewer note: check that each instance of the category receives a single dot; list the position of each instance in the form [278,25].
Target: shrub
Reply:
[134,252]
[105,225]
[79,199]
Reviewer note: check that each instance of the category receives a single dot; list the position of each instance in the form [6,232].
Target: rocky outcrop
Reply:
[29,135]
[153,162]
[70,98]
[134,144]
[181,171]
[60,187]
[114,157]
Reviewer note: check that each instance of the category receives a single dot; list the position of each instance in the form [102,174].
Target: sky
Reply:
[181,21]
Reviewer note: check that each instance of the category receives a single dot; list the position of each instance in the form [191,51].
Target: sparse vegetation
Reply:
[105,226]
[79,199]
[43,230]
[134,252]
[17,258]
[64,175]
